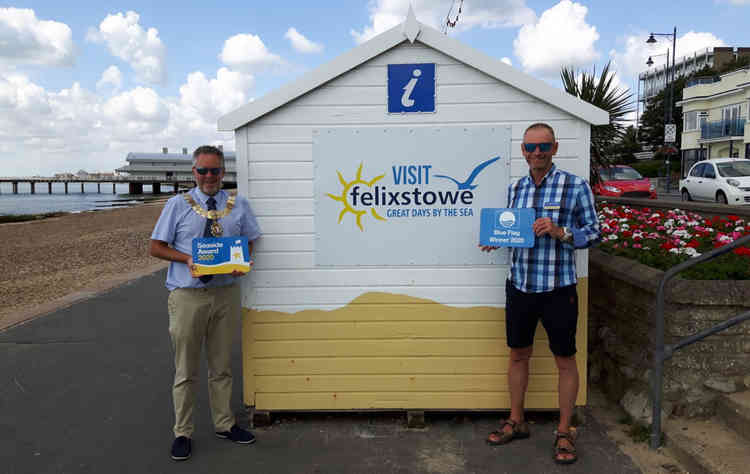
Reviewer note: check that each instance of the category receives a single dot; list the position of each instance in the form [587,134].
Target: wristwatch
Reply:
[567,235]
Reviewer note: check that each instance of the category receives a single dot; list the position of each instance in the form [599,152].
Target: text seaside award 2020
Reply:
[507,227]
[219,255]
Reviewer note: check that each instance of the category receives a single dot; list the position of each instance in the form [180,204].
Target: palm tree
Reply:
[601,93]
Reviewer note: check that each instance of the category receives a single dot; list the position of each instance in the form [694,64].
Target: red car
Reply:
[623,181]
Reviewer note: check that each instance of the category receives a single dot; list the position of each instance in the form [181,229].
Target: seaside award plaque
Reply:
[507,227]
[218,255]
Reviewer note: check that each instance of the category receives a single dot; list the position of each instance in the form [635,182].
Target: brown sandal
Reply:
[518,431]
[561,450]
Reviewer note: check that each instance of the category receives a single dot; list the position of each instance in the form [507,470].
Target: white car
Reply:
[722,180]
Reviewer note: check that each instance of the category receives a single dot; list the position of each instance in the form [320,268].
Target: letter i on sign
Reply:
[406,99]
[411,88]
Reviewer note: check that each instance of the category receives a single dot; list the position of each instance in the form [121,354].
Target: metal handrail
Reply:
[663,352]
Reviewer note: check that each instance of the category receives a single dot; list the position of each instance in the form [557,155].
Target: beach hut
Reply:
[368,175]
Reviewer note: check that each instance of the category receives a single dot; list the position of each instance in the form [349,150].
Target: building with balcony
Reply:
[172,167]
[654,80]
[715,111]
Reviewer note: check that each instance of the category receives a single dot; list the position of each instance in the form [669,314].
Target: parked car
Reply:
[623,181]
[723,180]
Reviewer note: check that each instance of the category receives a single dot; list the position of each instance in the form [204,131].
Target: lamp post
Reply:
[668,121]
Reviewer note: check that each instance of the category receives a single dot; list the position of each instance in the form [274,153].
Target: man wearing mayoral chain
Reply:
[542,283]
[205,307]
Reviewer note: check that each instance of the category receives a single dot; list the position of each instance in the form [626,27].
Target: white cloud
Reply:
[25,39]
[633,59]
[385,14]
[48,131]
[561,37]
[126,39]
[300,43]
[506,60]
[111,77]
[248,53]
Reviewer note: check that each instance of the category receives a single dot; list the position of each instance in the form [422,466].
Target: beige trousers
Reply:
[195,315]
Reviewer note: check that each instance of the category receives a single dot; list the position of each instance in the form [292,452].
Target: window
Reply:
[734,168]
[708,171]
[691,121]
[697,172]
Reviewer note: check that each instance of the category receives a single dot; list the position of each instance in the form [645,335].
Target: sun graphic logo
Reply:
[343,197]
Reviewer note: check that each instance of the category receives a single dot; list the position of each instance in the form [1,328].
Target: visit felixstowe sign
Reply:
[400,196]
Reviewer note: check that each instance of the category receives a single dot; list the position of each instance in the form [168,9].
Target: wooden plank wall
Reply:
[390,337]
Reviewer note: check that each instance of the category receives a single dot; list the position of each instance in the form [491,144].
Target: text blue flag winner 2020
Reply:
[507,227]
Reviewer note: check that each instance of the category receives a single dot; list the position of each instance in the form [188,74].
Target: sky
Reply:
[84,83]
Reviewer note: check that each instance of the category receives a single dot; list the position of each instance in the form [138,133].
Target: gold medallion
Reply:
[216,229]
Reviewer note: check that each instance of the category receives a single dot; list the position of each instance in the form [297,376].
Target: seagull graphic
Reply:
[467,184]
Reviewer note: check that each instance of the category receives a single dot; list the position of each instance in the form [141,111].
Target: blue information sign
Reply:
[507,227]
[217,255]
[411,88]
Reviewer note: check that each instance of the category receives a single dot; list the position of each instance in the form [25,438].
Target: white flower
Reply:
[612,237]
[690,251]
[674,250]
[739,228]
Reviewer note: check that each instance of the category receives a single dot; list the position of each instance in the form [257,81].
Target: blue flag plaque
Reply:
[411,88]
[507,227]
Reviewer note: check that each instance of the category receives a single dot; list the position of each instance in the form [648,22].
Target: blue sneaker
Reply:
[181,448]
[238,435]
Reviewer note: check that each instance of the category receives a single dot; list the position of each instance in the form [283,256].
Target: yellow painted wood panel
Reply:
[401,400]
[393,351]
[383,330]
[371,311]
[388,347]
[396,365]
[397,383]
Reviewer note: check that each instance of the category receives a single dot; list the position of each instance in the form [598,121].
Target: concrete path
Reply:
[87,390]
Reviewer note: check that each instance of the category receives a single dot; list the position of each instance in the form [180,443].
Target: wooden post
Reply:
[82,187]
[113,188]
[49,187]
[66,187]
[33,191]
[15,187]
[99,188]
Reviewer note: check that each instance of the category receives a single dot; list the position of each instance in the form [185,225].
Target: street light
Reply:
[668,120]
[650,63]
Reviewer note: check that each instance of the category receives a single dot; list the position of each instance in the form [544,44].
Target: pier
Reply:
[135,183]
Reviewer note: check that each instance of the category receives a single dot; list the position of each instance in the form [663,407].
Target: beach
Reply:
[51,263]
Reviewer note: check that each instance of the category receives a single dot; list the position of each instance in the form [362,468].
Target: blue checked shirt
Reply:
[569,202]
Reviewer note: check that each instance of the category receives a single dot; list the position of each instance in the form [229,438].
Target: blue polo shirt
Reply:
[178,225]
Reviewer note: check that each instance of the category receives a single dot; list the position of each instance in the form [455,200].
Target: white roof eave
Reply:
[432,38]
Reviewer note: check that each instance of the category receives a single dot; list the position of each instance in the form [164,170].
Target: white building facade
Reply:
[420,329]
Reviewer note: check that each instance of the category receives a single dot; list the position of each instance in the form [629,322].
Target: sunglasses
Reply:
[543,147]
[203,171]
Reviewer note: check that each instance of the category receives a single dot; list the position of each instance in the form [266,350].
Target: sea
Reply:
[26,203]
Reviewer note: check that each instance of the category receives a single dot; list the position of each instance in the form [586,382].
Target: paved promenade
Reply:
[87,390]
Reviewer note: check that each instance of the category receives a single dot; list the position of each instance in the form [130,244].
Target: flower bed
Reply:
[662,239]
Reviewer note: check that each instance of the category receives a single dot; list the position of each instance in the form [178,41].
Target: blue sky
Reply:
[174,67]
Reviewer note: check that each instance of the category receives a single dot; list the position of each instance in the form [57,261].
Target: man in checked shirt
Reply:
[542,282]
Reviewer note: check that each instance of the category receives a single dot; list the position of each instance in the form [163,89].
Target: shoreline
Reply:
[60,260]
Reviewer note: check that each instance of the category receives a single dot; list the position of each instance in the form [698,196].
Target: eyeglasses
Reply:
[203,171]
[543,147]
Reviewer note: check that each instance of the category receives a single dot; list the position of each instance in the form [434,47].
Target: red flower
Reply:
[742,251]
[694,244]
[668,245]
[733,218]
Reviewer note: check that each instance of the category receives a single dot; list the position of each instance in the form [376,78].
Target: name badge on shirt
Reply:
[552,206]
